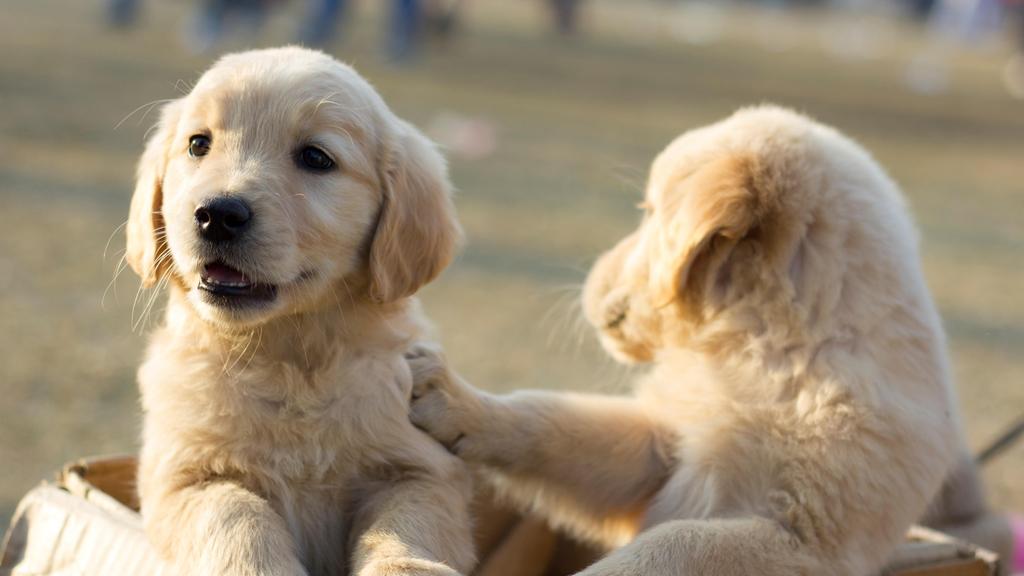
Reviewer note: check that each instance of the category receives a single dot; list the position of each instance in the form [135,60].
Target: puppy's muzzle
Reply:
[222,219]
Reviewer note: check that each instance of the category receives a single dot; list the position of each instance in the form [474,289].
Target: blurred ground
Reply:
[577,124]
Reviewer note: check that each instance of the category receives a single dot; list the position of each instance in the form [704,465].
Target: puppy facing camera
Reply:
[292,217]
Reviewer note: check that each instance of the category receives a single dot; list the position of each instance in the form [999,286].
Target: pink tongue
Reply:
[224,274]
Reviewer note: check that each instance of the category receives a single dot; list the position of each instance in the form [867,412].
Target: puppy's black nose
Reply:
[222,219]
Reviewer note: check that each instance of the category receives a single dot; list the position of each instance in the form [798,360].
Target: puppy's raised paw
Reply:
[427,365]
[445,407]
[424,350]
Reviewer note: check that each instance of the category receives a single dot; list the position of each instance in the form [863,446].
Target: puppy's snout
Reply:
[222,219]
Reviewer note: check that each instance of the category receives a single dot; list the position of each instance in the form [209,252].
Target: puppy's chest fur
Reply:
[312,441]
[308,425]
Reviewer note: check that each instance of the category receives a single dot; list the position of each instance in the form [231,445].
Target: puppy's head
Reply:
[695,215]
[282,182]
[756,225]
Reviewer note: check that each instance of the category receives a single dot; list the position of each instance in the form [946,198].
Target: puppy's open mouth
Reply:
[225,285]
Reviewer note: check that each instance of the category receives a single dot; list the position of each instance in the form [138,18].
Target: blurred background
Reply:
[550,111]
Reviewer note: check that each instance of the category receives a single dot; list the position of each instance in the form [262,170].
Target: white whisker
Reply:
[149,106]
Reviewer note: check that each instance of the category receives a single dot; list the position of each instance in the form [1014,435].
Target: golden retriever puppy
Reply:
[292,216]
[798,414]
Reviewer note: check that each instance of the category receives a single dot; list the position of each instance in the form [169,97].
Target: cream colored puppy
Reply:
[798,415]
[292,216]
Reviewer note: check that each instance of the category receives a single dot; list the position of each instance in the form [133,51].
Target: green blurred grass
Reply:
[578,122]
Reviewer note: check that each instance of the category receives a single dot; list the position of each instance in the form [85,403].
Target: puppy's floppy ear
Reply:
[145,234]
[417,233]
[705,214]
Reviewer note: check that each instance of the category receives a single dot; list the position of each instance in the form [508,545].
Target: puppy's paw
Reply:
[407,567]
[422,349]
[428,366]
[443,406]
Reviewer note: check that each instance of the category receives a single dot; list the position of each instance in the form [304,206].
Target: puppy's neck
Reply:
[311,339]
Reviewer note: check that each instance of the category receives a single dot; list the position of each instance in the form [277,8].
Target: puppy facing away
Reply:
[798,414]
[292,216]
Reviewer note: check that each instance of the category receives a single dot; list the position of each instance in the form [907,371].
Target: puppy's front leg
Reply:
[735,547]
[416,526]
[220,529]
[596,455]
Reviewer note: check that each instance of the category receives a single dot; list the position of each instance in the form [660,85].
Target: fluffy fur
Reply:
[798,414]
[276,438]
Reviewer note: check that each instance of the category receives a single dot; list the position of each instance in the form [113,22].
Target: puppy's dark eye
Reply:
[198,145]
[315,159]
